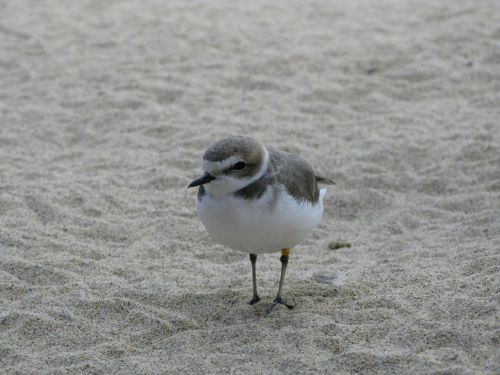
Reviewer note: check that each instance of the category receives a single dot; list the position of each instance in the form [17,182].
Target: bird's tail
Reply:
[324,180]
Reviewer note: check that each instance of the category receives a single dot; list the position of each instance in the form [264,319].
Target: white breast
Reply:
[273,222]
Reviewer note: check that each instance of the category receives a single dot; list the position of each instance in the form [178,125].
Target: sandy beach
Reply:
[106,109]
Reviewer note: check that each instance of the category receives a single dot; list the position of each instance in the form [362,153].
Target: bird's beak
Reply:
[205,179]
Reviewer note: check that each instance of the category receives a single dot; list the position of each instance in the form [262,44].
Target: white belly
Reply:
[259,226]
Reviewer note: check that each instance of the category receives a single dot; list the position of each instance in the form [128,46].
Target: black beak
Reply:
[205,179]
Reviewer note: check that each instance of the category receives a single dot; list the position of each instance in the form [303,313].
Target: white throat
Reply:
[224,184]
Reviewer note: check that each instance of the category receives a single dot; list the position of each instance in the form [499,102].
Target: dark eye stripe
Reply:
[239,165]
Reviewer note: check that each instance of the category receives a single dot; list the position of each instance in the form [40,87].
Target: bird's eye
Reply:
[239,165]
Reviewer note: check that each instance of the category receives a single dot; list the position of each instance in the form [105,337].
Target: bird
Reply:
[258,199]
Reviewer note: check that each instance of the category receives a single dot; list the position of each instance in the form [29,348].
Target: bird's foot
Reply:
[254,300]
[279,301]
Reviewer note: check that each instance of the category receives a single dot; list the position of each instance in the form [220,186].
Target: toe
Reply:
[282,302]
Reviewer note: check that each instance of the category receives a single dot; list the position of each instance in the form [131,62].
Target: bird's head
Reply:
[230,164]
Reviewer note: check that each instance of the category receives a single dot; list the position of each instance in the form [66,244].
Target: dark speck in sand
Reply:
[338,244]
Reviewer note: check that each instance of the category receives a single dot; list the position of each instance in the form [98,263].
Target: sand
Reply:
[105,110]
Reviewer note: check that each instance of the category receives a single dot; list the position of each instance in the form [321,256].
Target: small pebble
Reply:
[338,244]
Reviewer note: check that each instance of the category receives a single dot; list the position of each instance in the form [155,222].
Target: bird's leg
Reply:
[255,298]
[278,300]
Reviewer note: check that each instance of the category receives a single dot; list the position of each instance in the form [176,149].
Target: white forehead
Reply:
[213,167]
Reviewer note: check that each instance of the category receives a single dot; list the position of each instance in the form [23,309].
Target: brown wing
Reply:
[296,175]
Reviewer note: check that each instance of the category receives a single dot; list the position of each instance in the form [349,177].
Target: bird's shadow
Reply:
[232,306]
[222,306]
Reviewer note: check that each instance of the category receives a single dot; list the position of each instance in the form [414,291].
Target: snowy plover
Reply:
[258,200]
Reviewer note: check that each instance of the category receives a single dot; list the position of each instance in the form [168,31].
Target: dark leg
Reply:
[255,298]
[278,300]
